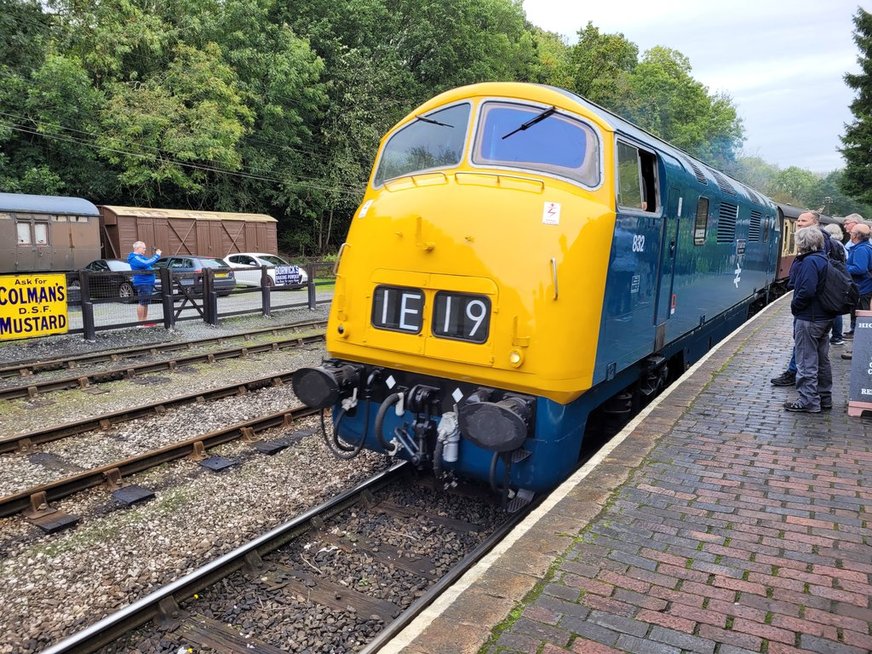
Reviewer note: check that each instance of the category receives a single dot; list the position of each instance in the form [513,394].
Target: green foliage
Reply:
[599,66]
[792,183]
[276,107]
[857,140]
[24,34]
[193,115]
[665,99]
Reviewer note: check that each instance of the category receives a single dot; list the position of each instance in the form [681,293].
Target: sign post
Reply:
[860,391]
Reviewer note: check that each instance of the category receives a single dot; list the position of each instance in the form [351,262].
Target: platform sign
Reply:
[860,391]
[33,305]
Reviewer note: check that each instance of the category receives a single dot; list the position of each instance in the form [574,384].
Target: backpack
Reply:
[837,293]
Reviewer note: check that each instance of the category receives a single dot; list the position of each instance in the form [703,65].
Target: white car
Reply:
[246,267]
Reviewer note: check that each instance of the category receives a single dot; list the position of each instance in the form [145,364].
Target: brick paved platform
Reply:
[721,524]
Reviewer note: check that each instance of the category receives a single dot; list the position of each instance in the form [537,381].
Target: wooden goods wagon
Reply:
[45,233]
[177,231]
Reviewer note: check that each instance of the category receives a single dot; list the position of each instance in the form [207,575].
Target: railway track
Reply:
[358,568]
[35,501]
[30,367]
[33,389]
[28,440]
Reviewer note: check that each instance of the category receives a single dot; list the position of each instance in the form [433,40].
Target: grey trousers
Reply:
[814,376]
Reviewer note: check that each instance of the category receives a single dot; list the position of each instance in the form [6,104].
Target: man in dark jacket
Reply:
[808,219]
[812,324]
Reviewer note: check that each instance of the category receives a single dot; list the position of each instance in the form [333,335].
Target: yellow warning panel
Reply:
[33,305]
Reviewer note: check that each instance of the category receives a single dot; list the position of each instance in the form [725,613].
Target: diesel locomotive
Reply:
[524,262]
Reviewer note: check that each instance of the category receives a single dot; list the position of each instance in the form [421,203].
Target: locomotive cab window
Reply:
[700,226]
[637,178]
[430,141]
[538,139]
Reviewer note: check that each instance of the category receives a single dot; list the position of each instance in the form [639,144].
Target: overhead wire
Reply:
[348,190]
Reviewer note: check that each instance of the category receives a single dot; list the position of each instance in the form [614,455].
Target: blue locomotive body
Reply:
[524,265]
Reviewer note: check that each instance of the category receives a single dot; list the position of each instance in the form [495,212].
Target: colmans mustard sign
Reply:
[32,305]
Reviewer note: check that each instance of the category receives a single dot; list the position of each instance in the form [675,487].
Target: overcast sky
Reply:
[781,62]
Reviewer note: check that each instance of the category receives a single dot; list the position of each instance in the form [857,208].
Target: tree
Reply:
[552,60]
[382,58]
[176,130]
[839,204]
[665,99]
[753,171]
[599,66]
[857,140]
[795,185]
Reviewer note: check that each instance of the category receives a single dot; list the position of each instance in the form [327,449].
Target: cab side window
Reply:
[700,227]
[637,178]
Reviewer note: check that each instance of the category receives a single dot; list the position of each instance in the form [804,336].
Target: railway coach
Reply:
[522,261]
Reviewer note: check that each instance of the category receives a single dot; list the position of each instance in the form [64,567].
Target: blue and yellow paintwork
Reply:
[565,328]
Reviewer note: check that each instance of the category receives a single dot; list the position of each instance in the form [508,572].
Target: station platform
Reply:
[715,522]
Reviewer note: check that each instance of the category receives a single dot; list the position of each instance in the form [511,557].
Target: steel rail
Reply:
[134,615]
[116,374]
[28,367]
[18,502]
[25,441]
[405,618]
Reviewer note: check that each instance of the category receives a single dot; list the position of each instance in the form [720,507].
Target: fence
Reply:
[107,299]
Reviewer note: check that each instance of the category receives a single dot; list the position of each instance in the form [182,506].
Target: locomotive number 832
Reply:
[523,264]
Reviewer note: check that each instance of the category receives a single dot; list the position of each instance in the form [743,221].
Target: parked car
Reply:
[111,279]
[247,265]
[189,269]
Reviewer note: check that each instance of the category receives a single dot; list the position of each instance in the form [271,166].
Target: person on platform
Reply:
[851,220]
[837,237]
[860,263]
[143,281]
[807,219]
[811,325]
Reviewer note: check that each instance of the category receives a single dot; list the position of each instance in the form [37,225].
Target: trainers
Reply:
[797,407]
[847,355]
[784,379]
[826,406]
[849,334]
[837,341]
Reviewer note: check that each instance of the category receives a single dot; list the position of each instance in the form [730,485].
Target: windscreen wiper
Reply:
[433,122]
[531,122]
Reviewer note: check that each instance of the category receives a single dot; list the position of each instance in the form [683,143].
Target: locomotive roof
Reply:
[545,94]
[53,204]
[145,212]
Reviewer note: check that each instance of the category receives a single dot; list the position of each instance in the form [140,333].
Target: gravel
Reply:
[54,585]
[49,347]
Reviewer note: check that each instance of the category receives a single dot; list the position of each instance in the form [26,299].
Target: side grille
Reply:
[754,226]
[727,214]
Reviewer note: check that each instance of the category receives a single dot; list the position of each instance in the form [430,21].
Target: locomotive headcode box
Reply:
[860,392]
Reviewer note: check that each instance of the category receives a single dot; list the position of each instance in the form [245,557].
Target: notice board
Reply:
[860,391]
